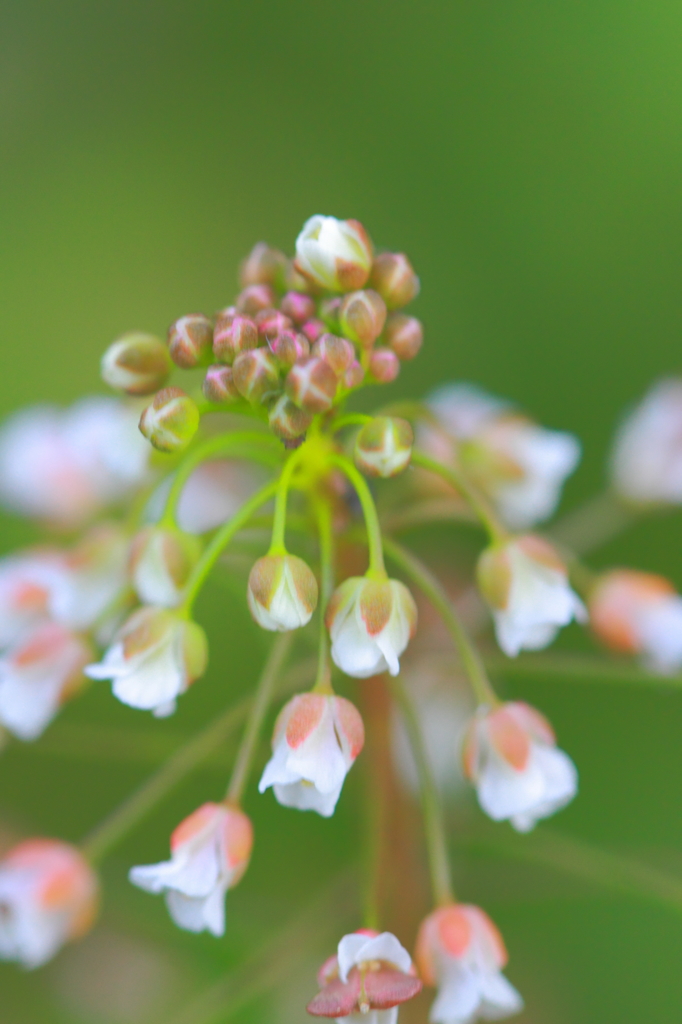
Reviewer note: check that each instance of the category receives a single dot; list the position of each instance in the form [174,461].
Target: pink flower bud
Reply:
[362,317]
[233,334]
[461,952]
[638,613]
[210,851]
[384,446]
[190,340]
[271,322]
[48,895]
[313,329]
[137,363]
[338,352]
[370,623]
[354,375]
[256,375]
[311,385]
[384,365]
[219,386]
[404,335]
[287,421]
[298,306]
[263,265]
[255,298]
[395,280]
[161,562]
[316,740]
[511,756]
[336,254]
[171,421]
[289,346]
[282,592]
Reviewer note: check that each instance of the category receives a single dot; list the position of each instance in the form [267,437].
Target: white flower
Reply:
[526,585]
[210,852]
[316,740]
[461,952]
[48,896]
[370,623]
[646,464]
[41,671]
[511,756]
[24,592]
[336,254]
[153,659]
[161,561]
[87,581]
[282,592]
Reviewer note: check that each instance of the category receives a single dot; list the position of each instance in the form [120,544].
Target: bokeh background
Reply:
[526,154]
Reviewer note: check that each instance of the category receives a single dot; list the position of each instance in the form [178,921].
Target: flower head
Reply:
[336,254]
[282,592]
[210,852]
[646,463]
[461,952]
[171,421]
[511,756]
[384,446]
[48,896]
[137,363]
[639,613]
[370,623]
[316,740]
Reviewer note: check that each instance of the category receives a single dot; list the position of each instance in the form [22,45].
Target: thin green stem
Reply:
[277,546]
[432,589]
[323,681]
[259,709]
[458,479]
[434,828]
[352,419]
[377,569]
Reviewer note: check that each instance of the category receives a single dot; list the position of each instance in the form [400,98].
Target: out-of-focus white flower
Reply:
[526,585]
[282,592]
[48,896]
[161,561]
[37,675]
[511,756]
[336,254]
[153,659]
[316,740]
[367,980]
[646,463]
[370,623]
[24,591]
[210,852]
[461,952]
[88,580]
[639,613]
[213,493]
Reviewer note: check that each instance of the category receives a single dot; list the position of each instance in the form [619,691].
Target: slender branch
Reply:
[352,419]
[460,481]
[376,555]
[277,546]
[323,680]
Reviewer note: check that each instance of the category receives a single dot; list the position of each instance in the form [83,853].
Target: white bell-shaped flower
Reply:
[282,592]
[336,254]
[646,462]
[370,623]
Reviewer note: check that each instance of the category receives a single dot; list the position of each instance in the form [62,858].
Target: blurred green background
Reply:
[526,155]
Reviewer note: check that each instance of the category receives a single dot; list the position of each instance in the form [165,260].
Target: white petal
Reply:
[499,997]
[305,797]
[186,911]
[459,995]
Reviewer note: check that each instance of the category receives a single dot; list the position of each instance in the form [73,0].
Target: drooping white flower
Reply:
[526,585]
[336,254]
[461,953]
[153,659]
[210,852]
[88,581]
[24,591]
[646,462]
[48,896]
[282,592]
[511,756]
[161,561]
[370,623]
[316,740]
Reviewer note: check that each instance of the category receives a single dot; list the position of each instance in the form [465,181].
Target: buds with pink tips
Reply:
[311,385]
[288,347]
[171,421]
[511,756]
[256,375]
[287,421]
[255,298]
[137,363]
[526,585]
[395,280]
[461,952]
[298,306]
[384,446]
[232,334]
[282,592]
[354,375]
[161,561]
[316,740]
[153,659]
[210,851]
[338,352]
[219,387]
[404,335]
[370,623]
[384,365]
[271,322]
[362,317]
[190,340]
[263,265]
[313,329]
[336,254]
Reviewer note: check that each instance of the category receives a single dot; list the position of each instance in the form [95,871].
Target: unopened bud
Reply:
[282,592]
[256,375]
[404,334]
[190,340]
[137,363]
[336,254]
[289,346]
[395,280]
[311,385]
[254,298]
[314,329]
[171,421]
[271,322]
[338,352]
[263,265]
[384,446]
[329,311]
[298,306]
[294,281]
[287,421]
[362,317]
[354,375]
[161,562]
[219,385]
[233,334]
[384,365]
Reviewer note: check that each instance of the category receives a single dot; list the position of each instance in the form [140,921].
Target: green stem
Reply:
[376,570]
[277,546]
[460,481]
[432,589]
[434,828]
[259,709]
[221,540]
[351,420]
[323,681]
